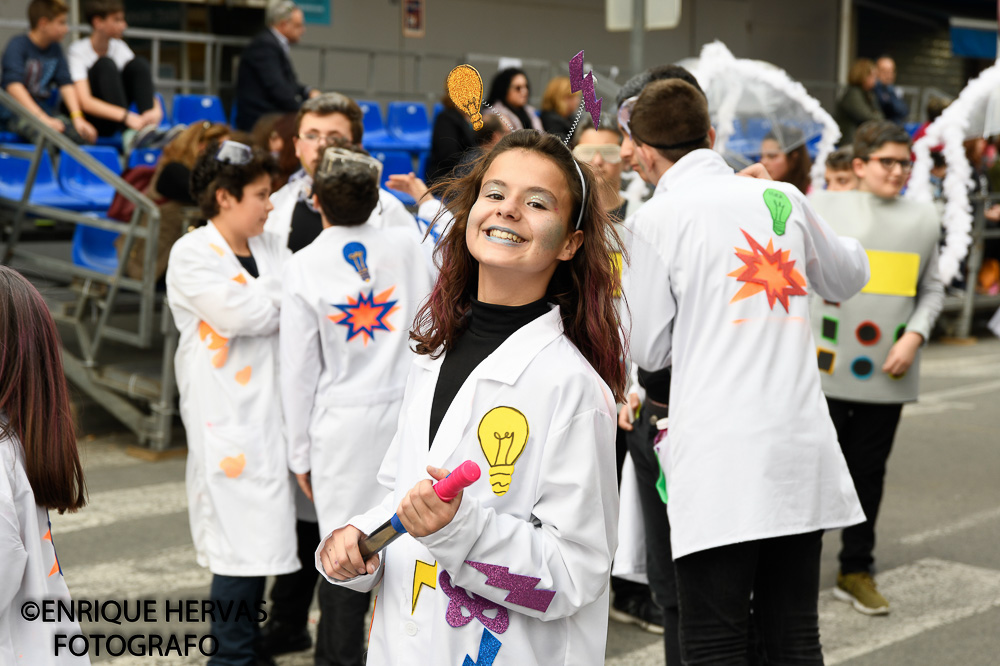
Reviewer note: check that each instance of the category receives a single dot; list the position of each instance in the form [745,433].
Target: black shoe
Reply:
[279,638]
[639,610]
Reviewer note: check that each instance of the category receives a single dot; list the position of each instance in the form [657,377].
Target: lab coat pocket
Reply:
[245,470]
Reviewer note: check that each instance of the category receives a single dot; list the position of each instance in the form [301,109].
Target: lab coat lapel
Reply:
[499,370]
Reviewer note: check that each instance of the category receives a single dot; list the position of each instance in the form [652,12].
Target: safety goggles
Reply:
[234,152]
[334,158]
[610,153]
[625,114]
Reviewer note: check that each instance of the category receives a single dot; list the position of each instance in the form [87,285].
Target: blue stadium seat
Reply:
[46,191]
[755,129]
[165,124]
[393,162]
[192,108]
[77,180]
[9,137]
[408,123]
[911,128]
[232,114]
[422,165]
[113,141]
[375,137]
[144,157]
[95,249]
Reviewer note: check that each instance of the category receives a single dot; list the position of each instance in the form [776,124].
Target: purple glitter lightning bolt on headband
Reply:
[586,85]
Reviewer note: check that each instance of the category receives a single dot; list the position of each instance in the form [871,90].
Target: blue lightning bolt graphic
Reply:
[488,648]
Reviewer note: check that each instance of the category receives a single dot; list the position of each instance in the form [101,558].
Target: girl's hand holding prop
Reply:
[419,509]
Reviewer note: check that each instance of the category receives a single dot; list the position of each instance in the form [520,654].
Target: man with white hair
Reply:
[266,81]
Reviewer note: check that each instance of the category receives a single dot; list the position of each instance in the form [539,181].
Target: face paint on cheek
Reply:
[552,236]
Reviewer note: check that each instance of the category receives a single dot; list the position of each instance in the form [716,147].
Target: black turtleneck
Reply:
[489,326]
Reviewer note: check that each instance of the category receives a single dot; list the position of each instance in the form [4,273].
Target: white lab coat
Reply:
[342,393]
[556,523]
[751,451]
[29,570]
[240,499]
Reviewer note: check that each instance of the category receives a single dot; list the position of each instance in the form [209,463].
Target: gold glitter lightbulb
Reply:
[465,87]
[502,433]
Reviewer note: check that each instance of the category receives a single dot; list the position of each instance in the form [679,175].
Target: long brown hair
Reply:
[34,397]
[584,287]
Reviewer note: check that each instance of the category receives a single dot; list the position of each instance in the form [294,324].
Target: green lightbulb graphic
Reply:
[780,207]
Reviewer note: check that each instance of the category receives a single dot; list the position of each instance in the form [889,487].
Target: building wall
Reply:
[796,35]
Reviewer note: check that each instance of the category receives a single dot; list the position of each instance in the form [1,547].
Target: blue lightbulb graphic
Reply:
[355,254]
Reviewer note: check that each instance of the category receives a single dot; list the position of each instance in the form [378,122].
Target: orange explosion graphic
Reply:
[366,314]
[767,270]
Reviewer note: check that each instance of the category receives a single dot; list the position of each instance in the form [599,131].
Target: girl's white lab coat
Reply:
[240,500]
[539,556]
[29,570]
[344,366]
[751,451]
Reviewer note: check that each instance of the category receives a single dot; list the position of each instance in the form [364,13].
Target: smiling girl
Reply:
[518,369]
[224,294]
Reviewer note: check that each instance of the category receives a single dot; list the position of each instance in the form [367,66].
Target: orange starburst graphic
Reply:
[767,270]
[366,314]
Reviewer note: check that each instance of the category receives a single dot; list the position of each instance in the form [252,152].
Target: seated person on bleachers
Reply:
[323,121]
[108,77]
[169,186]
[33,65]
[265,80]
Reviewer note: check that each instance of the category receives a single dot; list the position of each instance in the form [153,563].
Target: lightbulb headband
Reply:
[465,88]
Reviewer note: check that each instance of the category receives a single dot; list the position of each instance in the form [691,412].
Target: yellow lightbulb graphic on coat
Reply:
[502,433]
[465,87]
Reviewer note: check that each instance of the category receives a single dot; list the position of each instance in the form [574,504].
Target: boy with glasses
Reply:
[323,121]
[868,345]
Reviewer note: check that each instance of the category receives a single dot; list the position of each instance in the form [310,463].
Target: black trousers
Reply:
[236,635]
[659,564]
[340,633]
[343,612]
[134,84]
[866,431]
[714,589]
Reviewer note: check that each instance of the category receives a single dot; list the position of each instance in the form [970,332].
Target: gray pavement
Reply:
[938,553]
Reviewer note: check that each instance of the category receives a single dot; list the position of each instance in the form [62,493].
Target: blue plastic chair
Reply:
[77,180]
[422,165]
[911,128]
[144,157]
[408,122]
[95,249]
[46,192]
[393,162]
[113,141]
[193,108]
[165,124]
[9,137]
[375,137]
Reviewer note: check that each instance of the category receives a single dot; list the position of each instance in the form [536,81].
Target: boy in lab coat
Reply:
[718,282]
[348,301]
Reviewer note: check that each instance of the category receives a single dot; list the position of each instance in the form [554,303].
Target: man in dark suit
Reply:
[266,81]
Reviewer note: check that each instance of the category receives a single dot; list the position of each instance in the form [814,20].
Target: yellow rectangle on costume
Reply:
[893,273]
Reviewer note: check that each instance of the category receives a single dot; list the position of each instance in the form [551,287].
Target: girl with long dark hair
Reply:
[519,365]
[41,471]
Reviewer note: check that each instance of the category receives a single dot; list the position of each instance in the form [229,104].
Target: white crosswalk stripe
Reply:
[108,507]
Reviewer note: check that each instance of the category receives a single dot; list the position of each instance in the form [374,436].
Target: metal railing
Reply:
[98,292]
[968,302]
